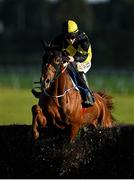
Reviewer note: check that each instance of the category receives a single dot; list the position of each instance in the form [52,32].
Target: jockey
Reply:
[76,46]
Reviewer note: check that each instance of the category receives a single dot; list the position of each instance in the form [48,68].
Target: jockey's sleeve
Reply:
[84,52]
[80,57]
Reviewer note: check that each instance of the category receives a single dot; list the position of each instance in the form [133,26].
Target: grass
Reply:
[124,108]
[15,106]
[16,99]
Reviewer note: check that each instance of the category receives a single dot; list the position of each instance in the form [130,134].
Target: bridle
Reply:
[58,69]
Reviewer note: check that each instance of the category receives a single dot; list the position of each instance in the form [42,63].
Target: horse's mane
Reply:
[62,55]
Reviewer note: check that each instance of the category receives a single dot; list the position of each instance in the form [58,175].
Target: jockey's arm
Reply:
[80,57]
[84,52]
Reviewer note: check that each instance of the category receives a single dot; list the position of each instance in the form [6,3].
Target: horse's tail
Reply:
[109,102]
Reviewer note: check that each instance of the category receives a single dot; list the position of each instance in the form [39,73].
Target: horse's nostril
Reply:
[47,80]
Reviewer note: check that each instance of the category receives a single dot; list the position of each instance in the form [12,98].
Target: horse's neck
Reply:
[61,84]
[64,81]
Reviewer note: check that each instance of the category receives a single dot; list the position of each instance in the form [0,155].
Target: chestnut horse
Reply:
[60,103]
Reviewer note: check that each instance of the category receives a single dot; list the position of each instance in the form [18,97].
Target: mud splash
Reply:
[102,153]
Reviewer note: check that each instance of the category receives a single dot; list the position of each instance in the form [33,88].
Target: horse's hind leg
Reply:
[74,132]
[38,118]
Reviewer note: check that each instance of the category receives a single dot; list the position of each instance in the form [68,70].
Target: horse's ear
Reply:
[45,45]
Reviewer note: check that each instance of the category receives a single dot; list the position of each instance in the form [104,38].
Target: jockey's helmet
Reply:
[70,28]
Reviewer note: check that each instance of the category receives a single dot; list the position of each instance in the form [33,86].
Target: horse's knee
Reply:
[36,109]
[44,121]
[41,118]
[33,108]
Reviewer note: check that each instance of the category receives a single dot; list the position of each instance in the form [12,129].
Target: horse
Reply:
[60,103]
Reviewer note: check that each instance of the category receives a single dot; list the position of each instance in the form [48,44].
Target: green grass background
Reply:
[16,98]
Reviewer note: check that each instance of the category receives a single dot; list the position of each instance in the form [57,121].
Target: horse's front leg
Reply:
[38,119]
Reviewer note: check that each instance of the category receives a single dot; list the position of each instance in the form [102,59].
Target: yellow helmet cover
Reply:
[72,26]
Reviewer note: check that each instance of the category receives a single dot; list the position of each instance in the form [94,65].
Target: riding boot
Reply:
[88,99]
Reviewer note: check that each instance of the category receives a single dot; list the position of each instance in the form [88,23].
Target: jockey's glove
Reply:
[71,58]
[65,64]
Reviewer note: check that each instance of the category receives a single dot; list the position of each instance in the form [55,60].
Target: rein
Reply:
[57,76]
[61,95]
